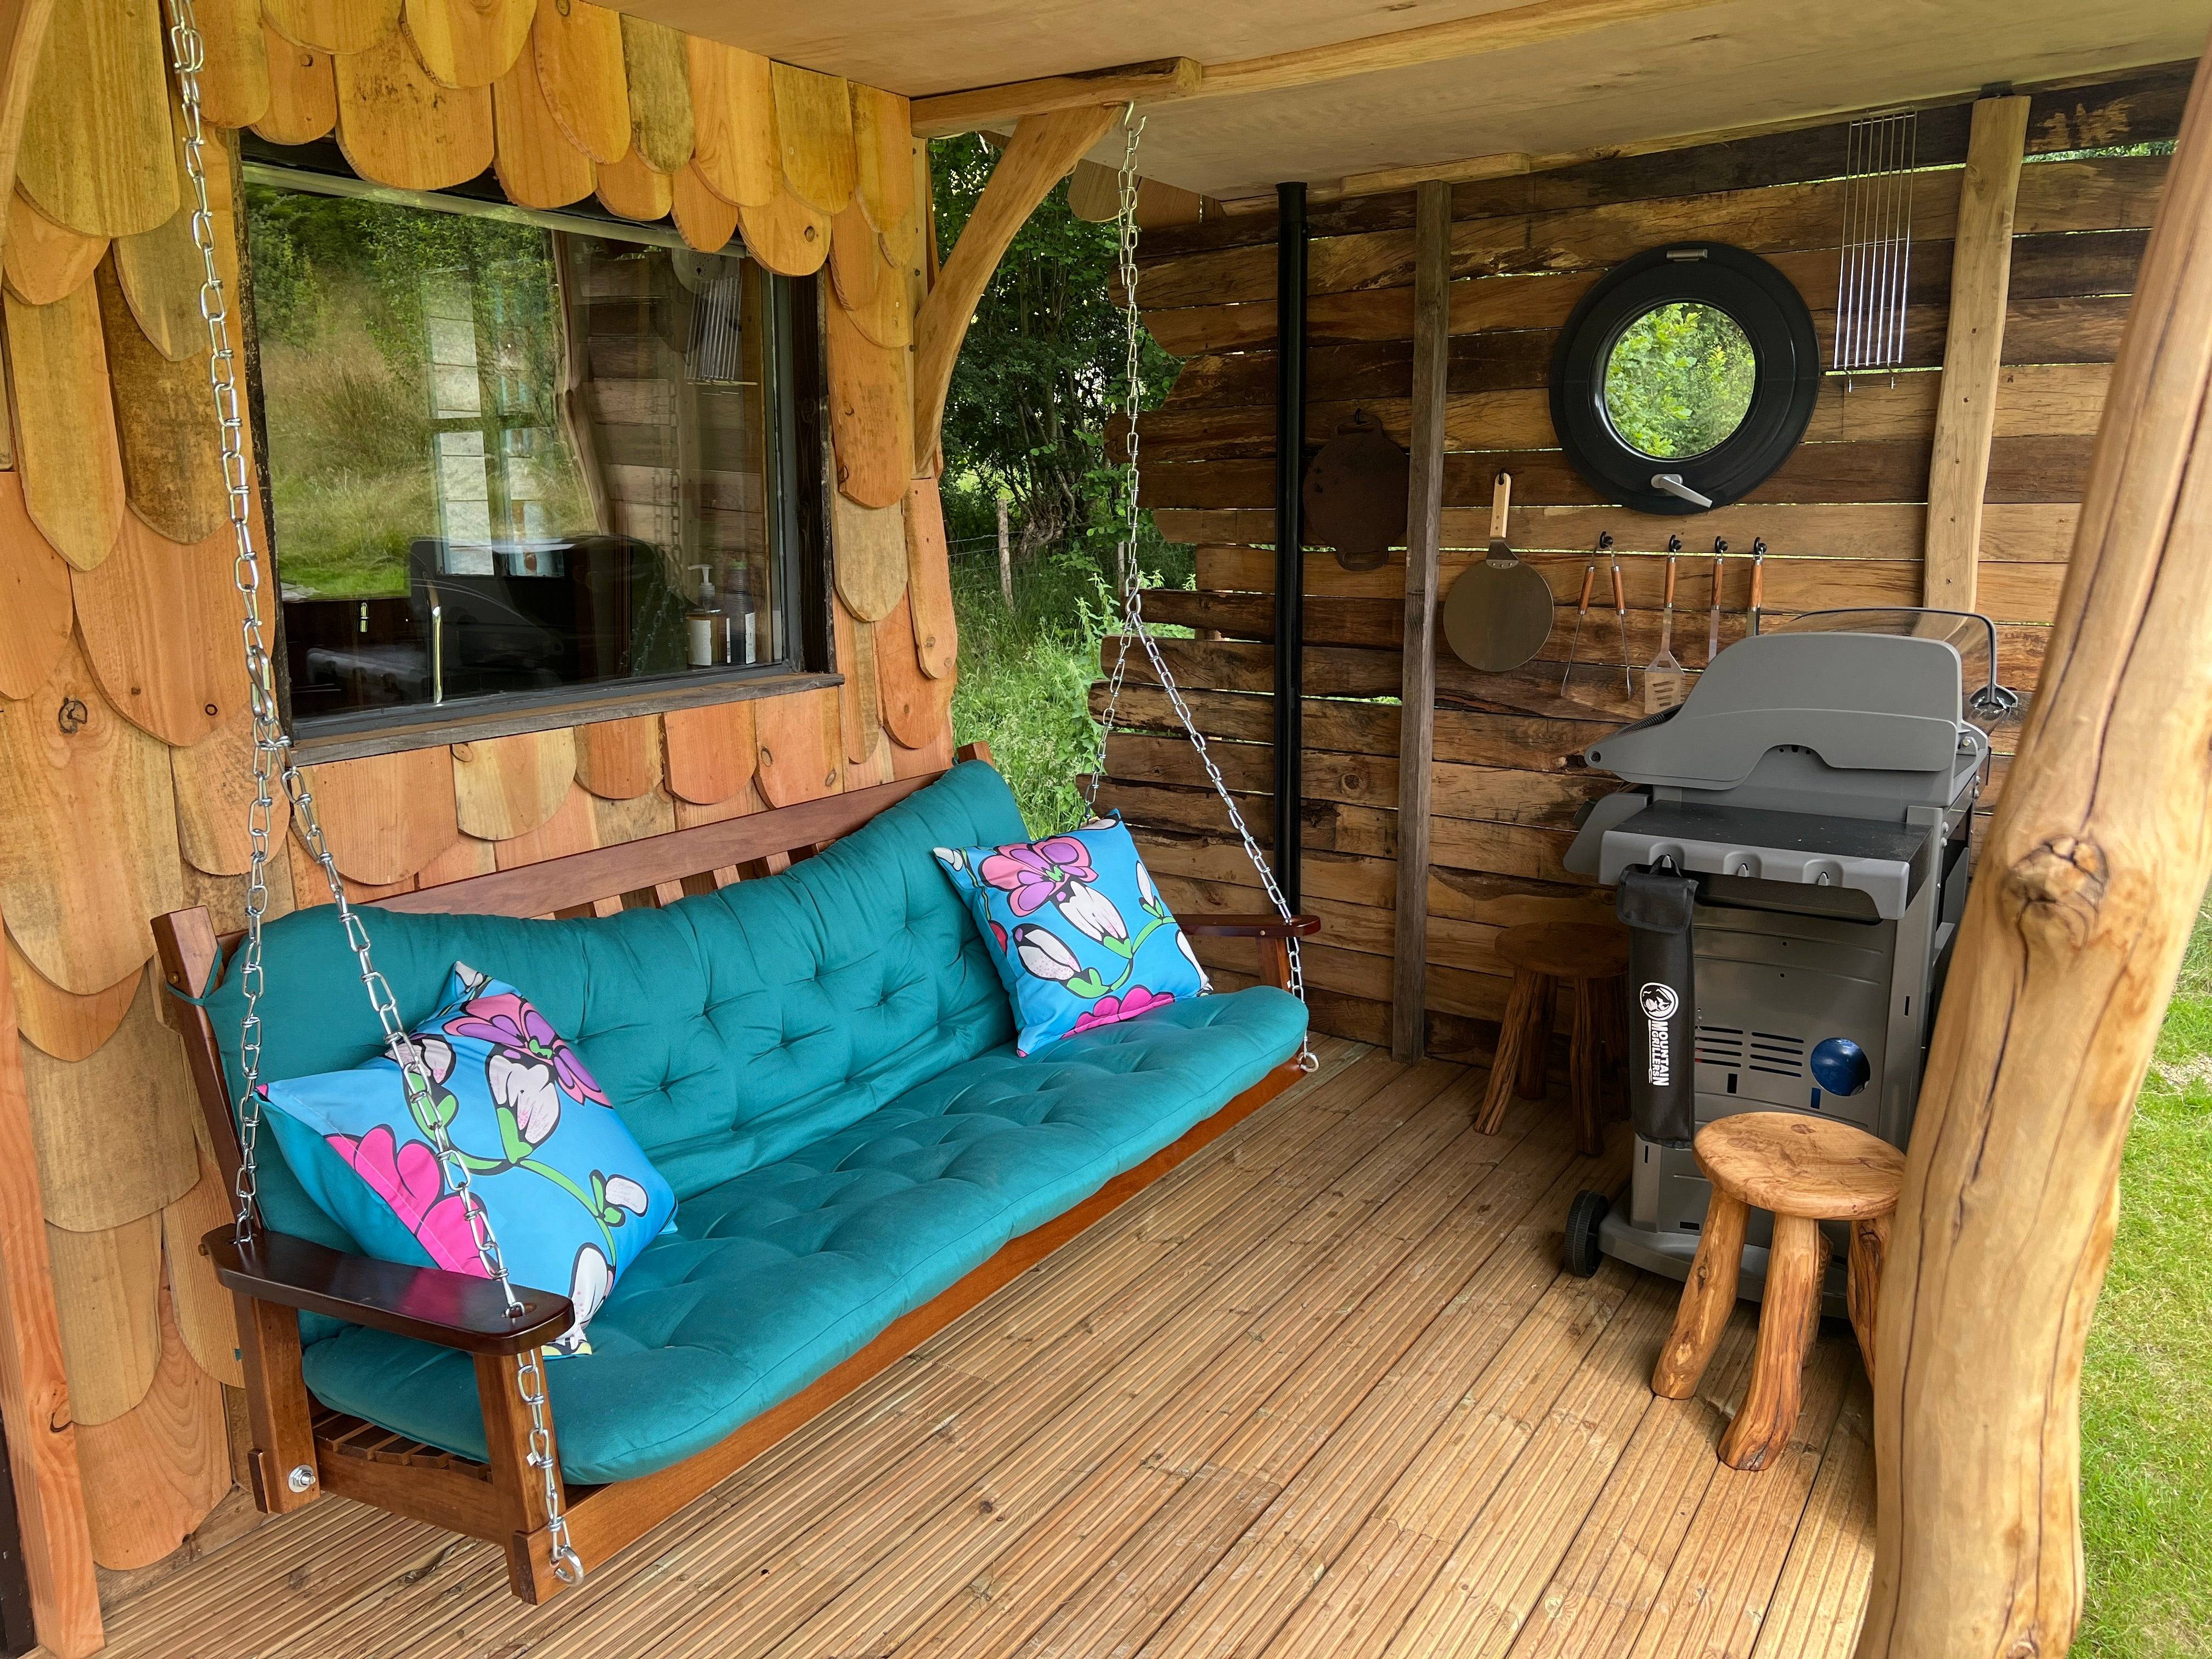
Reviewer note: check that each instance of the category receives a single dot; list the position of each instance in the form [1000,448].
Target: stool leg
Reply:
[1586,1075]
[1536,1045]
[1869,1249]
[1820,1291]
[1708,1299]
[1768,1414]
[1512,1033]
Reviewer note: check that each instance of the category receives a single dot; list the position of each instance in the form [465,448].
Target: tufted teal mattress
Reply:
[821,1064]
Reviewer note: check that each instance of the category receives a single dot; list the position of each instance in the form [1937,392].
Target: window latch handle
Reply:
[1672,483]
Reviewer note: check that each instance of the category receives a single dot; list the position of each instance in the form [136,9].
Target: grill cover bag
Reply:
[1656,906]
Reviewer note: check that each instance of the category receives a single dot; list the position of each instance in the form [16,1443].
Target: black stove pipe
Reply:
[1291,238]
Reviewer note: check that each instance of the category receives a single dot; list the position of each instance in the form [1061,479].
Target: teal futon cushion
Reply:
[820,1064]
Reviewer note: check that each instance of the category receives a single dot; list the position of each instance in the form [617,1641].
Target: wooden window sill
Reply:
[387,731]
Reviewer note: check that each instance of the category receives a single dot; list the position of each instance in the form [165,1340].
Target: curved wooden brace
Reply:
[2090,879]
[1044,149]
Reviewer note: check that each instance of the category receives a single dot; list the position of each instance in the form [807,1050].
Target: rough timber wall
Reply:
[1844,518]
[125,772]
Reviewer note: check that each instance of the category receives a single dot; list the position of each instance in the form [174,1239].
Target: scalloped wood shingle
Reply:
[855,262]
[883,151]
[234,79]
[35,611]
[929,582]
[785,234]
[861,724]
[507,787]
[107,1292]
[914,705]
[538,165]
[159,622]
[867,556]
[710,751]
[96,155]
[44,261]
[65,441]
[90,851]
[656,69]
[871,413]
[634,191]
[571,828]
[166,436]
[397,126]
[733,123]
[579,50]
[114,1132]
[467,43]
[215,791]
[333,26]
[619,760]
[814,136]
[64,1025]
[206,1315]
[152,1474]
[801,747]
[384,816]
[706,220]
[303,92]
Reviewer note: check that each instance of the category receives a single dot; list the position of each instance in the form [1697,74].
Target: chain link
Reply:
[275,763]
[1134,627]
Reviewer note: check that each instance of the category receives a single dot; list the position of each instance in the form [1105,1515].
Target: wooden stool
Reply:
[1589,958]
[1805,1170]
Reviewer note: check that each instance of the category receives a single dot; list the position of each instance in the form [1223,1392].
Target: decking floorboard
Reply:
[1323,1391]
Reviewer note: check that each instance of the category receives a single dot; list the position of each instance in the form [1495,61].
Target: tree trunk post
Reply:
[2090,877]
[1005,556]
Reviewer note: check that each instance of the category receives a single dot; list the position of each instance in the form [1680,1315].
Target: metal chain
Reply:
[274,762]
[1132,596]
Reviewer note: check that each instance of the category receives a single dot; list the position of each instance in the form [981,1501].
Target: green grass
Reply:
[2147,1386]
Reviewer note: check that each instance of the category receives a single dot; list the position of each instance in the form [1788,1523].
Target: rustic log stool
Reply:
[1805,1170]
[1590,959]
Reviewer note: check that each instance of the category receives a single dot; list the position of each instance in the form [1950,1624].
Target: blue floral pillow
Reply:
[1079,933]
[570,1195]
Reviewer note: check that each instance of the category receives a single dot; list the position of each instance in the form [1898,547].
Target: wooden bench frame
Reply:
[302,1449]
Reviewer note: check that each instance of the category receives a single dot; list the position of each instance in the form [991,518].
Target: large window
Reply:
[513,457]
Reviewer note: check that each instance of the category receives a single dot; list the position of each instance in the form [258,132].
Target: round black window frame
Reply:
[1786,383]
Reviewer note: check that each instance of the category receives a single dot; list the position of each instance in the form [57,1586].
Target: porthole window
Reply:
[1684,378]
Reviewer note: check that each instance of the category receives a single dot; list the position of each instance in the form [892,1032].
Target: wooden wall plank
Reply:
[96,155]
[159,623]
[387,816]
[579,50]
[49,1491]
[929,582]
[657,69]
[1965,420]
[468,43]
[733,122]
[868,557]
[63,1024]
[113,1131]
[35,608]
[915,708]
[711,752]
[800,746]
[166,439]
[107,1291]
[784,233]
[151,1475]
[333,26]
[206,1314]
[858,714]
[303,92]
[65,440]
[705,221]
[45,261]
[399,127]
[538,165]
[74,775]
[619,760]
[628,187]
[507,787]
[871,416]
[235,79]
[814,131]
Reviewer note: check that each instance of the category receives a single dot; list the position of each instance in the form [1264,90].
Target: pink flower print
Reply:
[1112,1010]
[1034,875]
[589,1281]
[1045,957]
[435,1052]
[408,1179]
[1000,935]
[527,1087]
[1093,915]
[507,1021]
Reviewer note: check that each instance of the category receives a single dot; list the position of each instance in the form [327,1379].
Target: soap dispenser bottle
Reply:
[704,627]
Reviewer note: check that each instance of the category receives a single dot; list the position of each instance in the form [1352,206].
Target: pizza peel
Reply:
[1499,611]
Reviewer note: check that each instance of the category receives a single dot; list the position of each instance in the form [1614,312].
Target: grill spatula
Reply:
[1662,676]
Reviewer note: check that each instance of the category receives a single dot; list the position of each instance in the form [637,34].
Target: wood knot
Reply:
[2056,891]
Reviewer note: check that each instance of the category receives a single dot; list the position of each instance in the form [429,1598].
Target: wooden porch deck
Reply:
[1323,1391]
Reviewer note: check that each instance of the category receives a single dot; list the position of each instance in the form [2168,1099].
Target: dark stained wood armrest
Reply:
[431,1304]
[1253,926]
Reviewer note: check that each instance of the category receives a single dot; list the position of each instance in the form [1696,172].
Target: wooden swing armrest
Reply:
[1252,926]
[431,1304]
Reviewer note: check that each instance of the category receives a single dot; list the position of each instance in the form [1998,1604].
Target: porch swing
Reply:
[358,1372]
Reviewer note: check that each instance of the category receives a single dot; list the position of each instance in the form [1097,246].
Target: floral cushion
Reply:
[1081,935]
[570,1196]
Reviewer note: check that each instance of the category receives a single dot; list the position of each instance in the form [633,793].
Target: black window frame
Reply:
[794,407]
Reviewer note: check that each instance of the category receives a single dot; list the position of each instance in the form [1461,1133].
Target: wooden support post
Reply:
[1425,502]
[34,1389]
[2090,875]
[1973,353]
[519,1489]
[1044,150]
[1005,556]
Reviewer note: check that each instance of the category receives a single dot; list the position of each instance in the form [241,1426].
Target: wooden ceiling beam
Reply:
[1166,80]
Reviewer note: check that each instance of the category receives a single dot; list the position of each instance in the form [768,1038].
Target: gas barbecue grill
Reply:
[1791,859]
